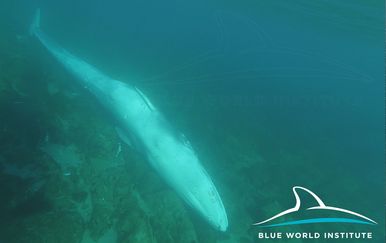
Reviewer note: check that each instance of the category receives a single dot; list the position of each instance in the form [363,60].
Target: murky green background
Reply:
[271,94]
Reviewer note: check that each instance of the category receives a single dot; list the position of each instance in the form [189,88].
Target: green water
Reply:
[271,95]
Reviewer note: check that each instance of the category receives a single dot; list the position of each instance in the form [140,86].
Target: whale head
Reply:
[177,163]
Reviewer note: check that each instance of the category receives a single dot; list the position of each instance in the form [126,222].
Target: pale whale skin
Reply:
[171,155]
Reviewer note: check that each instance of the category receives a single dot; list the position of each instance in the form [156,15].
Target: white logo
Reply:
[321,206]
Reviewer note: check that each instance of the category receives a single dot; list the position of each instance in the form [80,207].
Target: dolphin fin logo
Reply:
[361,219]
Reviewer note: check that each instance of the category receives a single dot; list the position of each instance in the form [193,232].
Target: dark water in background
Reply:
[272,94]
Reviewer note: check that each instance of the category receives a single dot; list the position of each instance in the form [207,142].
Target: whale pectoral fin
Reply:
[122,135]
[145,99]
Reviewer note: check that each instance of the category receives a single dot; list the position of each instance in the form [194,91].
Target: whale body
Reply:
[169,153]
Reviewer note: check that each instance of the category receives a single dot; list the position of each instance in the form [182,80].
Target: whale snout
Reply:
[223,225]
[219,222]
[216,214]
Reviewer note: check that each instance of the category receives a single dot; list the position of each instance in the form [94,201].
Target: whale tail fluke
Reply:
[35,26]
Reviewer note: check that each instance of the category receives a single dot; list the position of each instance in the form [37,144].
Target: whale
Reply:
[345,215]
[139,122]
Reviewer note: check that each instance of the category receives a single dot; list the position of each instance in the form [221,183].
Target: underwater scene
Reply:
[192,121]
